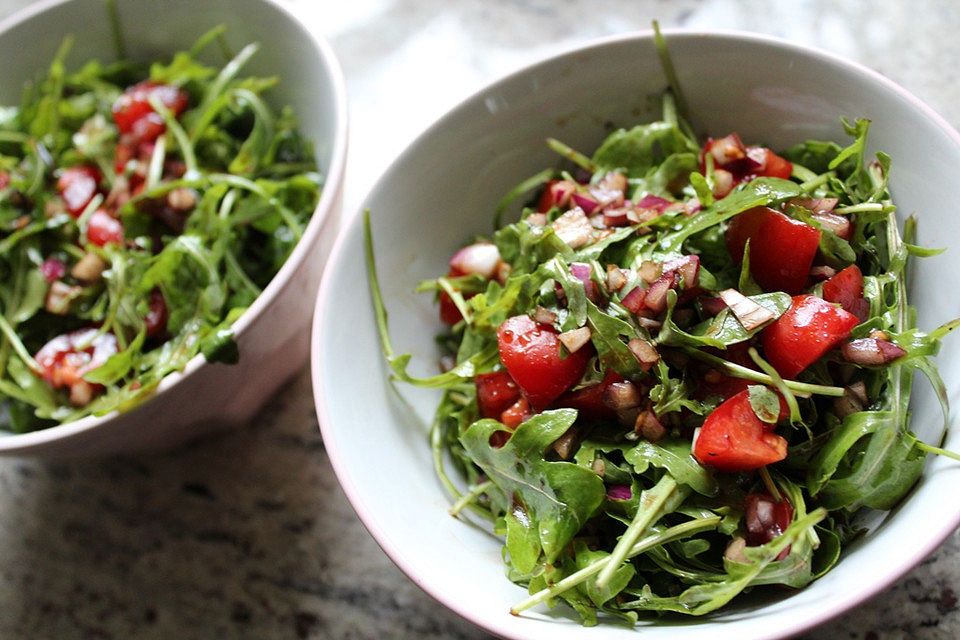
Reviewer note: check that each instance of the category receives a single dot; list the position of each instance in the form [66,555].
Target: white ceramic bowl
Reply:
[445,187]
[273,334]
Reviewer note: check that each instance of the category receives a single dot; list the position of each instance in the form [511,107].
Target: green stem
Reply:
[648,511]
[650,542]
[572,154]
[863,207]
[923,446]
[784,390]
[799,388]
[817,180]
[468,498]
[18,347]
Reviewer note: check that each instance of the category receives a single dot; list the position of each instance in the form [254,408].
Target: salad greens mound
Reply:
[684,372]
[143,208]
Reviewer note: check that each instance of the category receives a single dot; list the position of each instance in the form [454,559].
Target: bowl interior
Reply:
[444,188]
[309,81]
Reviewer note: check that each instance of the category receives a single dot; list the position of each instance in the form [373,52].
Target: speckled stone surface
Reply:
[247,535]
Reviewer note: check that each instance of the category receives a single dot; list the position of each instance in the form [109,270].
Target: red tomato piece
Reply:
[104,229]
[808,329]
[157,316]
[516,413]
[589,400]
[846,289]
[771,165]
[133,113]
[77,187]
[733,438]
[496,391]
[531,353]
[781,249]
[68,357]
[4,179]
[449,313]
[765,518]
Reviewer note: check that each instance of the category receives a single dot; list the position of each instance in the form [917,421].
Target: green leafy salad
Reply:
[143,208]
[684,371]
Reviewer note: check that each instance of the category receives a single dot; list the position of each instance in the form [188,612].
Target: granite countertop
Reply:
[246,534]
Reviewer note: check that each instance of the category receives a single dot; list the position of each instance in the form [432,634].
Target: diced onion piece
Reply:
[621,395]
[564,445]
[543,315]
[537,219]
[481,258]
[649,271]
[656,298]
[728,150]
[734,551]
[615,278]
[59,297]
[822,272]
[633,301]
[574,228]
[619,492]
[598,466]
[750,314]
[871,351]
[89,268]
[649,427]
[616,217]
[838,224]
[586,202]
[687,266]
[654,202]
[575,339]
[645,352]
[723,183]
[816,205]
[613,181]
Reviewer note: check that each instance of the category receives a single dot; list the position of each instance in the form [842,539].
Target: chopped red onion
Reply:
[633,301]
[574,228]
[585,202]
[687,266]
[822,272]
[619,492]
[871,351]
[816,205]
[654,202]
[750,314]
[645,352]
[838,224]
[481,258]
[575,339]
[723,183]
[53,269]
[616,278]
[656,298]
[621,395]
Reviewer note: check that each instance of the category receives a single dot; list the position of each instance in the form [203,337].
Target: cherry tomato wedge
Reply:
[808,329]
[68,357]
[516,413]
[846,289]
[77,187]
[733,438]
[496,391]
[531,353]
[449,313]
[773,165]
[133,113]
[781,249]
[104,229]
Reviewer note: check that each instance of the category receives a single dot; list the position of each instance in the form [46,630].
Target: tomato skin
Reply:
[449,313]
[77,187]
[781,249]
[496,391]
[516,413]
[733,438]
[774,165]
[531,353]
[809,328]
[846,289]
[133,113]
[68,357]
[104,229]
[589,401]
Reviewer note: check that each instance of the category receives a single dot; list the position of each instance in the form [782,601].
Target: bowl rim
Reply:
[14,443]
[342,246]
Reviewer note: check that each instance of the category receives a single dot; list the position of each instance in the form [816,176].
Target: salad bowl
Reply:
[444,189]
[272,334]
